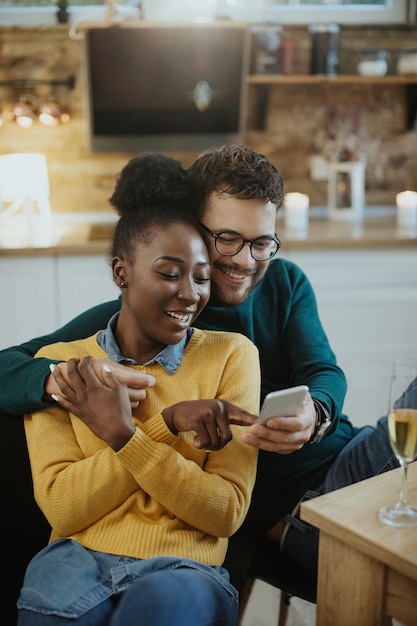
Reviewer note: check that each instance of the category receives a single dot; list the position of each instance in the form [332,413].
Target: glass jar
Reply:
[265,48]
[407,62]
[372,62]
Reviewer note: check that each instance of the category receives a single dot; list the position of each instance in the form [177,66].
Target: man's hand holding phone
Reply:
[286,421]
[283,403]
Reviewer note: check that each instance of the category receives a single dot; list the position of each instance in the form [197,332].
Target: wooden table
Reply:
[367,570]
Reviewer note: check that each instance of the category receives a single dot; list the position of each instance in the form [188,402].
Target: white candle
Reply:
[296,211]
[407,209]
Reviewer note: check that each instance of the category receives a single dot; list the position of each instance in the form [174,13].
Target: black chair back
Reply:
[25,530]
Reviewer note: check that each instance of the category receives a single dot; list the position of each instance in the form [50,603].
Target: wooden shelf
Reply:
[259,88]
[314,79]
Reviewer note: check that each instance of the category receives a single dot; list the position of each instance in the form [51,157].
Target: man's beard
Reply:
[232,295]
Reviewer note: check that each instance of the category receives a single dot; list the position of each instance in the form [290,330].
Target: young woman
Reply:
[141,501]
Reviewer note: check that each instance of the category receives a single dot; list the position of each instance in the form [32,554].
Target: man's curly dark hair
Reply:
[239,171]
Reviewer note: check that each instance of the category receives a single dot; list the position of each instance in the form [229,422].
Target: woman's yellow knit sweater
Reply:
[158,495]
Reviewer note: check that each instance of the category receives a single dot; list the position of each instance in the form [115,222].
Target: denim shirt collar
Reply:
[170,358]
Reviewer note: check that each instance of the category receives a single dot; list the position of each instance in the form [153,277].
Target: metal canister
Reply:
[324,48]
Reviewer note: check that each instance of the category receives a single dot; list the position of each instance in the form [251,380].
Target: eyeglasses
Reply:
[229,243]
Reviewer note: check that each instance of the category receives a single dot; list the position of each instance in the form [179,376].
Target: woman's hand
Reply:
[101,402]
[209,419]
[135,381]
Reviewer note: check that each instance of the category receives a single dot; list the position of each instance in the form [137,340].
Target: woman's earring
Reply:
[122,284]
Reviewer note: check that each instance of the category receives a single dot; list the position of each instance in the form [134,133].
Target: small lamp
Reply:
[27,109]
[24,183]
[24,112]
[53,113]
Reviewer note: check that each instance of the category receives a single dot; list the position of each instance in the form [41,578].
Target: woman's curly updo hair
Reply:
[151,191]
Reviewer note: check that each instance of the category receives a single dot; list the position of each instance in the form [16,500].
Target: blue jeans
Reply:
[368,454]
[67,584]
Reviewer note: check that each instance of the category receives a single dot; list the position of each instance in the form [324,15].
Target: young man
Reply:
[270,300]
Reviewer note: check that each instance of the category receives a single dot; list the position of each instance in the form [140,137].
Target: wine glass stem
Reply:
[403,496]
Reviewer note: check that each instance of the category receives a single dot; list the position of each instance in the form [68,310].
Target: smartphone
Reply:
[285,402]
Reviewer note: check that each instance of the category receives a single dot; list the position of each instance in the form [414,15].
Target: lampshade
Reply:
[53,113]
[24,112]
[24,177]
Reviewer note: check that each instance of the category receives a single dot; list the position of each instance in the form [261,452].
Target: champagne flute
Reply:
[402,427]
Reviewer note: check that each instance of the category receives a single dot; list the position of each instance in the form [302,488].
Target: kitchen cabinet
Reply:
[258,87]
[83,282]
[41,293]
[28,296]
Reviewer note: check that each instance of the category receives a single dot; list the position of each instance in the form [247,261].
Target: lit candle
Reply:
[407,209]
[296,211]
